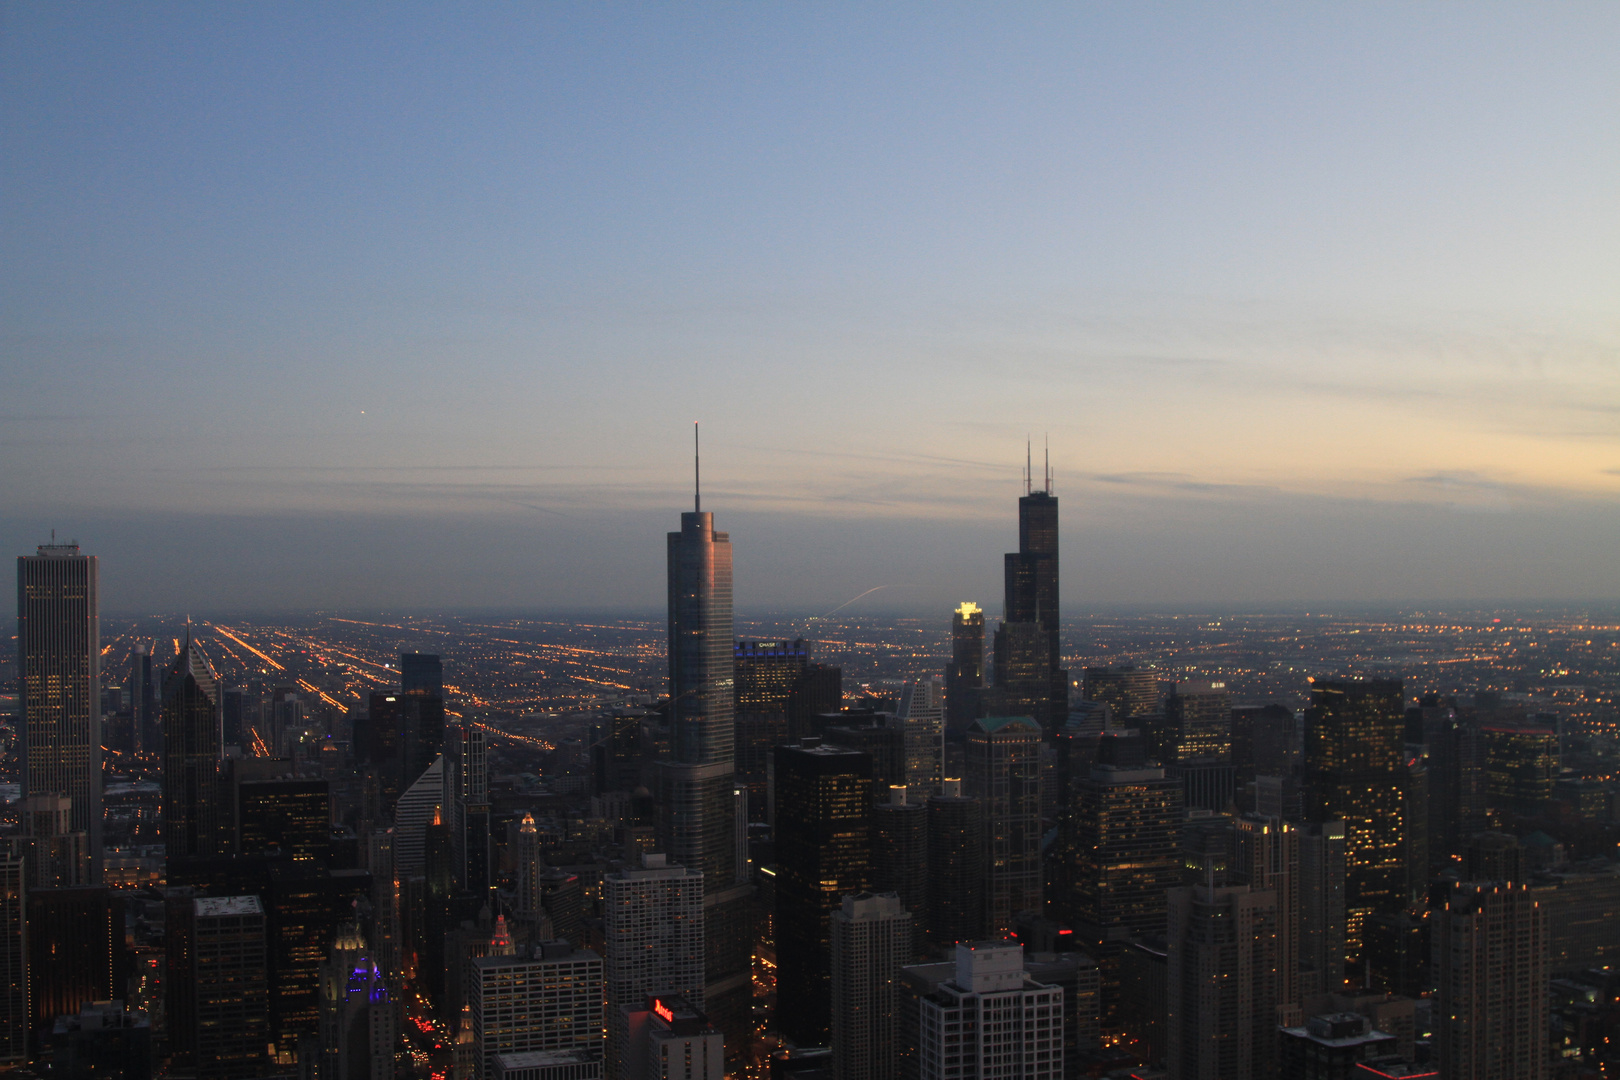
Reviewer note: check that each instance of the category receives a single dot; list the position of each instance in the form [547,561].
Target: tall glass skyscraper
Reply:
[196,820]
[697,800]
[59,661]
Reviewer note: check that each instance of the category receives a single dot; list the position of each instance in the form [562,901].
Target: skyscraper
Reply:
[823,845]
[421,673]
[871,942]
[964,679]
[956,888]
[921,715]
[1221,1016]
[466,795]
[1131,693]
[1029,667]
[652,928]
[1125,849]
[13,959]
[1267,857]
[900,856]
[547,999]
[1016,1022]
[229,964]
[146,737]
[697,807]
[359,1017]
[1004,773]
[1355,767]
[1490,959]
[196,812]
[59,665]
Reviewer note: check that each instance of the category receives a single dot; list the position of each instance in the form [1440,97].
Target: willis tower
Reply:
[698,800]
[1028,674]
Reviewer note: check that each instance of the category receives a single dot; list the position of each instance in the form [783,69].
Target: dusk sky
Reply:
[393,306]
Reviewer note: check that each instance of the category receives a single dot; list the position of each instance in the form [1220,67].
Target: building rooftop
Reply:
[213,907]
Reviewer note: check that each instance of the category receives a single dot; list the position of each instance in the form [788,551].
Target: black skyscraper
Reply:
[1029,672]
[823,853]
[196,812]
[421,673]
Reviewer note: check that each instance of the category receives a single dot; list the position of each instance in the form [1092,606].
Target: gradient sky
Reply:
[308,305]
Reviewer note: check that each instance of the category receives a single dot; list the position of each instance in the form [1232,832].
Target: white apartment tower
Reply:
[871,941]
[652,926]
[991,1021]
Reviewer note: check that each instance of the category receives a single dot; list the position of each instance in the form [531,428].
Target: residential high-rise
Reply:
[1490,960]
[964,678]
[1124,850]
[1221,1014]
[14,1011]
[196,812]
[956,886]
[146,735]
[59,669]
[871,941]
[226,940]
[1267,857]
[466,795]
[1323,868]
[547,999]
[1355,769]
[823,852]
[1016,1022]
[697,805]
[652,929]
[921,715]
[900,856]
[1003,759]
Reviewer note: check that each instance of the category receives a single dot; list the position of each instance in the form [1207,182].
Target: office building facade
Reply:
[1355,771]
[1004,773]
[823,853]
[549,999]
[59,669]
[964,678]
[652,926]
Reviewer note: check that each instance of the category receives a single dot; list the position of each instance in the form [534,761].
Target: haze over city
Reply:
[394,307]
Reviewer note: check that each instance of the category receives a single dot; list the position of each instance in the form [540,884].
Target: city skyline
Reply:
[1314,305]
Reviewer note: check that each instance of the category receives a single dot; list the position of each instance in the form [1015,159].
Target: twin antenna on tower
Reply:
[1029,466]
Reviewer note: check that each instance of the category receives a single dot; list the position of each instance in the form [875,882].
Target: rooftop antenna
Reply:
[1049,463]
[697,472]
[1029,468]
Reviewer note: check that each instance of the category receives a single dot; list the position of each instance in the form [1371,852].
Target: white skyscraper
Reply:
[652,925]
[1018,1021]
[871,941]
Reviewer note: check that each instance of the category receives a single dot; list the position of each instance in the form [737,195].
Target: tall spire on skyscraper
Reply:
[697,472]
